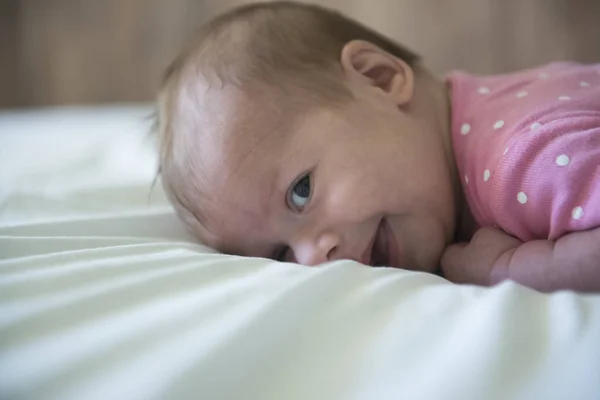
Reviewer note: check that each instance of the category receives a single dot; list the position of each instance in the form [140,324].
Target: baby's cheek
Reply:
[351,202]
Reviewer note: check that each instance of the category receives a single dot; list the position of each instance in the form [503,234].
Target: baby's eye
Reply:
[299,194]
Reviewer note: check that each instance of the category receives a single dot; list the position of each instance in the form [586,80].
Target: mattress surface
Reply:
[104,296]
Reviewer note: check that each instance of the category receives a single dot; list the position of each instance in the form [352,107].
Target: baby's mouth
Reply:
[379,254]
[385,251]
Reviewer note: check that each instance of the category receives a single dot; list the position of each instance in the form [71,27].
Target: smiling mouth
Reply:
[380,251]
[385,251]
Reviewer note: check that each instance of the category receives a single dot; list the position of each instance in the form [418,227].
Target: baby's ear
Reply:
[366,62]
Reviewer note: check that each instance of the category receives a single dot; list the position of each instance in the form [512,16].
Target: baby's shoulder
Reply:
[541,89]
[528,149]
[492,114]
[547,183]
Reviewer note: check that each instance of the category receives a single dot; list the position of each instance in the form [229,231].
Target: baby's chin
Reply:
[431,260]
[423,254]
[426,259]
[429,264]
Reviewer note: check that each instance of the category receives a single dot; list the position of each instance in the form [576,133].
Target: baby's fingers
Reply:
[454,262]
[473,262]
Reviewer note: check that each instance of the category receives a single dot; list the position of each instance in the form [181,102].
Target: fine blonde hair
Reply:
[285,46]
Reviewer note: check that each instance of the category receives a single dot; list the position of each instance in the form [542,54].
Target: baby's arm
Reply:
[572,262]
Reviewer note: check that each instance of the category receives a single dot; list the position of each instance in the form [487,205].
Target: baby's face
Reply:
[364,182]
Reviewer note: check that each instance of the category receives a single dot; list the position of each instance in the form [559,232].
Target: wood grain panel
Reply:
[91,51]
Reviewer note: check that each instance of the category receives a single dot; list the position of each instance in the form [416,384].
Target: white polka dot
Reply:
[465,128]
[522,94]
[562,160]
[486,175]
[544,75]
[483,90]
[499,124]
[467,179]
[522,198]
[535,125]
[577,213]
[564,98]
[584,84]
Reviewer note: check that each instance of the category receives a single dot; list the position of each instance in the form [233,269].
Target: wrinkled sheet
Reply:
[104,296]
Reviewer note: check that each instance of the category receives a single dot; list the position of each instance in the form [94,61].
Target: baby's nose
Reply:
[317,251]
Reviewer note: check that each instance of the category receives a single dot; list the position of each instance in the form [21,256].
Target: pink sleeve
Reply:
[550,178]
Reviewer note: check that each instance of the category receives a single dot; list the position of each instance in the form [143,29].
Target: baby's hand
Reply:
[483,261]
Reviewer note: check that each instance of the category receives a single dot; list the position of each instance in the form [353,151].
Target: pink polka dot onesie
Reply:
[527,145]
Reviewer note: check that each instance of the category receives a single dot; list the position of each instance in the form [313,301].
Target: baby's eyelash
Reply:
[304,197]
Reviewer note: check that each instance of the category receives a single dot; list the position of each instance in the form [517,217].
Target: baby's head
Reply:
[291,132]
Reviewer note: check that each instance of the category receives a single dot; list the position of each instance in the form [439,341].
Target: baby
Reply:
[291,132]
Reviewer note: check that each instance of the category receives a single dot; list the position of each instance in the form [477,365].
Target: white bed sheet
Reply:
[104,296]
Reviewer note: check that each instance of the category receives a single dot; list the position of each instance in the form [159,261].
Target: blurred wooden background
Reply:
[56,52]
